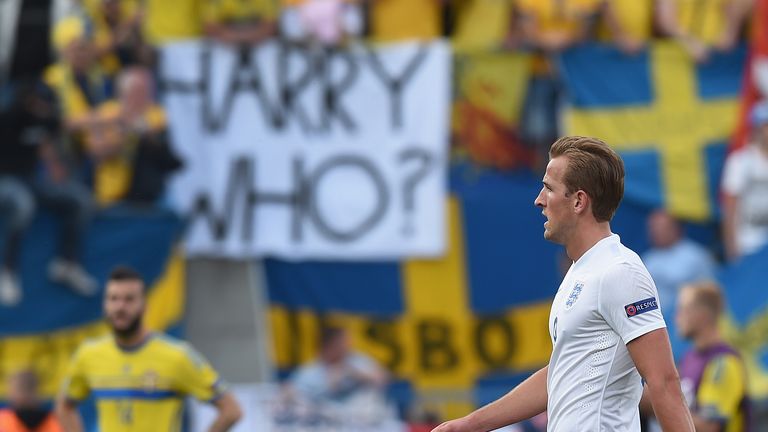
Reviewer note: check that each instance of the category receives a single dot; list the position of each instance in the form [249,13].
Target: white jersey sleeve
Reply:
[629,302]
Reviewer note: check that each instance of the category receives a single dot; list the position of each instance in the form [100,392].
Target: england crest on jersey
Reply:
[574,295]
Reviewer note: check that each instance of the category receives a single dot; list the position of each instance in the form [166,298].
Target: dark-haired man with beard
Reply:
[138,378]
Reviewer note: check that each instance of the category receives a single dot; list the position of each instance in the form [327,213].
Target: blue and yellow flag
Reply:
[463,329]
[669,118]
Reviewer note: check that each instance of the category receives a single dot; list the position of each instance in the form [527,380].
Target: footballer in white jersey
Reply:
[606,300]
[606,325]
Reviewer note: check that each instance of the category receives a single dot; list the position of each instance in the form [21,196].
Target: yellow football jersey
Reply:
[140,389]
[721,392]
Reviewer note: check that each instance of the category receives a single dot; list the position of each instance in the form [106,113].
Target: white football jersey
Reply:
[606,300]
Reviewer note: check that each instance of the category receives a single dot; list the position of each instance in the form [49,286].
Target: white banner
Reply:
[308,153]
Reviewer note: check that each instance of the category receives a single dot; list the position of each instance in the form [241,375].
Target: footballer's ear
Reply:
[581,202]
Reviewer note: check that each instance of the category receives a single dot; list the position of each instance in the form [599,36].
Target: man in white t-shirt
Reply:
[605,323]
[745,191]
[338,373]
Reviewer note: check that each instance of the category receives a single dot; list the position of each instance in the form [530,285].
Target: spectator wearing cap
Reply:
[76,78]
[745,191]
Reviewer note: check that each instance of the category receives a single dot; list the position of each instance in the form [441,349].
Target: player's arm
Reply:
[652,356]
[200,380]
[523,402]
[645,402]
[368,371]
[68,414]
[75,389]
[229,413]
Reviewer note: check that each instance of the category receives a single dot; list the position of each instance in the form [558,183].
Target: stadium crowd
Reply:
[82,127]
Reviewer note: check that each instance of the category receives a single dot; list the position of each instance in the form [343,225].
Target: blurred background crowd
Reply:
[84,138]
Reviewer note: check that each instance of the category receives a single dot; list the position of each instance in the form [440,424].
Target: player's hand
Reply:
[458,425]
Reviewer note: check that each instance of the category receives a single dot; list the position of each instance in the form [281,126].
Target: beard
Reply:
[128,331]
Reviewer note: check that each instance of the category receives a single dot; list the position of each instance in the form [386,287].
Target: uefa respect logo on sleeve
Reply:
[642,306]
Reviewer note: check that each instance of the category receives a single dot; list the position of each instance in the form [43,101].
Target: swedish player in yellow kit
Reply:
[138,378]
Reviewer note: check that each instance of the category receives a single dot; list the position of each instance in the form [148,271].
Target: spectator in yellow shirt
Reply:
[241,22]
[129,144]
[78,81]
[482,24]
[170,20]
[399,20]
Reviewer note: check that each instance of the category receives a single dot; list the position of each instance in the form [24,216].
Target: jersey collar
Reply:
[611,239]
[136,347]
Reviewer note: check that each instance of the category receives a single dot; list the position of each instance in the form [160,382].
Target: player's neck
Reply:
[585,237]
[134,340]
[707,338]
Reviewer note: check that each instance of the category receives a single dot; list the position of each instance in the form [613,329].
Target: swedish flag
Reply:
[466,327]
[669,117]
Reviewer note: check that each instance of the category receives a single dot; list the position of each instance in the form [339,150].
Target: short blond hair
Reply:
[708,294]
